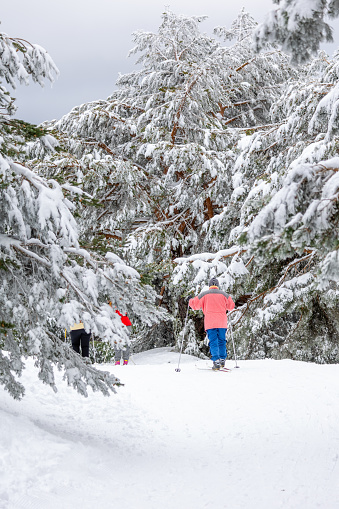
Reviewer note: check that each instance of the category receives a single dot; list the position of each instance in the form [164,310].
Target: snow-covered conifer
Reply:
[169,123]
[287,233]
[158,154]
[48,281]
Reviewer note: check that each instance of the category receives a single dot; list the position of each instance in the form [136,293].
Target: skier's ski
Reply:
[226,370]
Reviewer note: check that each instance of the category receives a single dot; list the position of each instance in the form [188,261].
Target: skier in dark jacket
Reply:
[214,304]
[79,336]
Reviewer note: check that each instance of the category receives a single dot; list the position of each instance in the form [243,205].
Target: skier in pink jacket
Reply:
[215,303]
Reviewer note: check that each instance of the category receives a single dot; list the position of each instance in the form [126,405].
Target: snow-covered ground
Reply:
[265,436]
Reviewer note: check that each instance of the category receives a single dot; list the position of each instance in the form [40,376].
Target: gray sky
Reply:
[89,42]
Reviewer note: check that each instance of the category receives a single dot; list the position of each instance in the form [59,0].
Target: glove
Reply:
[188,298]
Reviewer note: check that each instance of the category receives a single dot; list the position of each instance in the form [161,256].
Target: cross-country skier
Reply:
[214,303]
[122,353]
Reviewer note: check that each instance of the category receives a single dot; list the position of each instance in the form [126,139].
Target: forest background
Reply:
[216,156]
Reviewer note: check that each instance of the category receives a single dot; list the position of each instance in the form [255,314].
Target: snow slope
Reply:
[264,436]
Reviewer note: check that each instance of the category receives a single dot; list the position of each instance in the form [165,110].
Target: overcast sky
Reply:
[89,42]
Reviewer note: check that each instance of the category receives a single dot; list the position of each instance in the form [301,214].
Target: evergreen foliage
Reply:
[208,160]
[48,280]
[158,154]
[298,26]
[286,241]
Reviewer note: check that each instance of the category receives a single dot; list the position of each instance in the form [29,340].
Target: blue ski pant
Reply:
[217,340]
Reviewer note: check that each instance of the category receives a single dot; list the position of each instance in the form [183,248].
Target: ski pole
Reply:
[94,352]
[183,335]
[235,355]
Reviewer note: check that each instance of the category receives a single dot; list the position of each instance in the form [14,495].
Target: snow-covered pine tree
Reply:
[266,77]
[298,26]
[167,137]
[288,230]
[170,121]
[47,280]
[143,123]
[296,232]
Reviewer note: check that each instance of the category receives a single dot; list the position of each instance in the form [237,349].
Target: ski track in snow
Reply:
[263,436]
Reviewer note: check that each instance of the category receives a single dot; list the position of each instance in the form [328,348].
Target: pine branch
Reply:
[281,280]
[32,255]
[86,375]
[182,105]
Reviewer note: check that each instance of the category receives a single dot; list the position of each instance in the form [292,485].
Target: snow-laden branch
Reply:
[299,27]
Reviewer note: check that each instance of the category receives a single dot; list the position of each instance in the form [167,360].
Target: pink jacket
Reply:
[214,303]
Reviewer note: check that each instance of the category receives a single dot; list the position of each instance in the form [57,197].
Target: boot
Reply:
[216,365]
[125,362]
[117,363]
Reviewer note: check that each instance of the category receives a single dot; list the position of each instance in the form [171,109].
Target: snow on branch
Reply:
[76,372]
[19,59]
[203,265]
[209,257]
[298,26]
